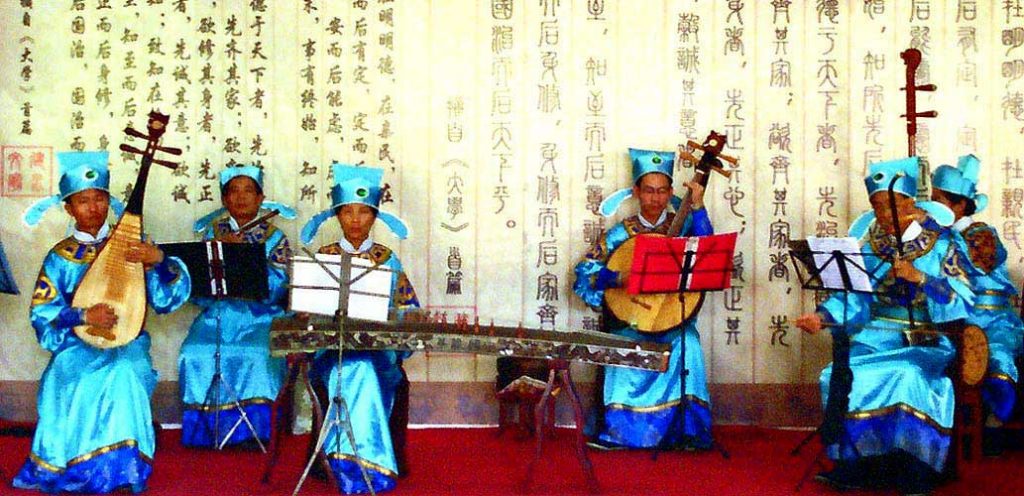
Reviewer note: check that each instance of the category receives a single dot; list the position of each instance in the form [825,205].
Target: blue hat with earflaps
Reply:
[354,184]
[961,180]
[644,162]
[79,171]
[904,172]
[254,173]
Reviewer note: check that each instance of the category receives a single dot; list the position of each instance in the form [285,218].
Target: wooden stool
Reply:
[522,396]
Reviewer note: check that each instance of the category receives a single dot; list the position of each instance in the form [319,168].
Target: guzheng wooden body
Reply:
[111,279]
[292,335]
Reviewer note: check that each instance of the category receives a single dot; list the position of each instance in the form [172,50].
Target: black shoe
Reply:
[913,476]
[992,442]
[845,476]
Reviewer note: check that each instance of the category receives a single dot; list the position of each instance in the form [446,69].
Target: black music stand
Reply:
[222,271]
[7,284]
[688,267]
[341,417]
[832,270]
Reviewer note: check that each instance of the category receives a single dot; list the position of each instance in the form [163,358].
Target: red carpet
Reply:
[474,461]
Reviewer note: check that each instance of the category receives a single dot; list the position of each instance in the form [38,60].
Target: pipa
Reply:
[111,279]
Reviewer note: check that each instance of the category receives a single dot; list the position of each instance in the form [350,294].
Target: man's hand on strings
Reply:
[100,316]
[145,252]
[904,269]
[811,323]
[696,195]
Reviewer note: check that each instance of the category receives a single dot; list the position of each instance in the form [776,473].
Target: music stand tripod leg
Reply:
[215,391]
[339,406]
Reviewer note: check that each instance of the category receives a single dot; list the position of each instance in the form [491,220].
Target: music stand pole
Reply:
[341,418]
[217,383]
[831,429]
[683,406]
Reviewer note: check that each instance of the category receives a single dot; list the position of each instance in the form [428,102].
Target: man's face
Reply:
[242,198]
[654,193]
[958,208]
[356,219]
[905,208]
[89,209]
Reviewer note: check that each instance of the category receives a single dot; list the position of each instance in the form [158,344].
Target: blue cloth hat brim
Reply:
[612,203]
[79,171]
[354,184]
[941,213]
[904,170]
[961,180]
[647,161]
[250,171]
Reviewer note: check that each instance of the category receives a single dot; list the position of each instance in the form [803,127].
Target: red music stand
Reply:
[680,265]
[673,265]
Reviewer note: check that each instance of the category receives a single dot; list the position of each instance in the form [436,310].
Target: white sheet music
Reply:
[831,278]
[369,297]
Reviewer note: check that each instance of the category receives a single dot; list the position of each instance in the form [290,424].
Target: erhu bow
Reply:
[111,279]
[660,312]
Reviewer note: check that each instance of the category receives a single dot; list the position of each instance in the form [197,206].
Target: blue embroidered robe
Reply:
[641,406]
[994,312]
[369,380]
[901,397]
[95,430]
[246,364]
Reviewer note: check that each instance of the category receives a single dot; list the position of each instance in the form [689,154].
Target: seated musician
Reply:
[897,427]
[993,310]
[244,325]
[95,430]
[640,406]
[369,378]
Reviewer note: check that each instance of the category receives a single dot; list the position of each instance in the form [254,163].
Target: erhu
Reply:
[112,279]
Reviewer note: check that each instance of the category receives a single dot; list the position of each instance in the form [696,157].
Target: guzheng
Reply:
[297,336]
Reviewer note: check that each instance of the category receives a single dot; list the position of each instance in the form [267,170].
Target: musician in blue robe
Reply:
[369,379]
[993,310]
[249,373]
[641,407]
[95,429]
[897,427]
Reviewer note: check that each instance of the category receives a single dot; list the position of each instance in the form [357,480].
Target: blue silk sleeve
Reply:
[698,224]
[168,285]
[946,284]
[51,311]
[277,271]
[403,296]
[849,309]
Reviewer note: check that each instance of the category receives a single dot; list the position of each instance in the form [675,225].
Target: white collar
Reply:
[347,246]
[962,224]
[912,232]
[648,225]
[233,223]
[89,239]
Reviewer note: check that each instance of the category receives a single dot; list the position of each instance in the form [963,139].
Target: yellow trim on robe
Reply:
[899,406]
[364,463]
[993,307]
[68,249]
[90,455]
[655,408]
[1001,376]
